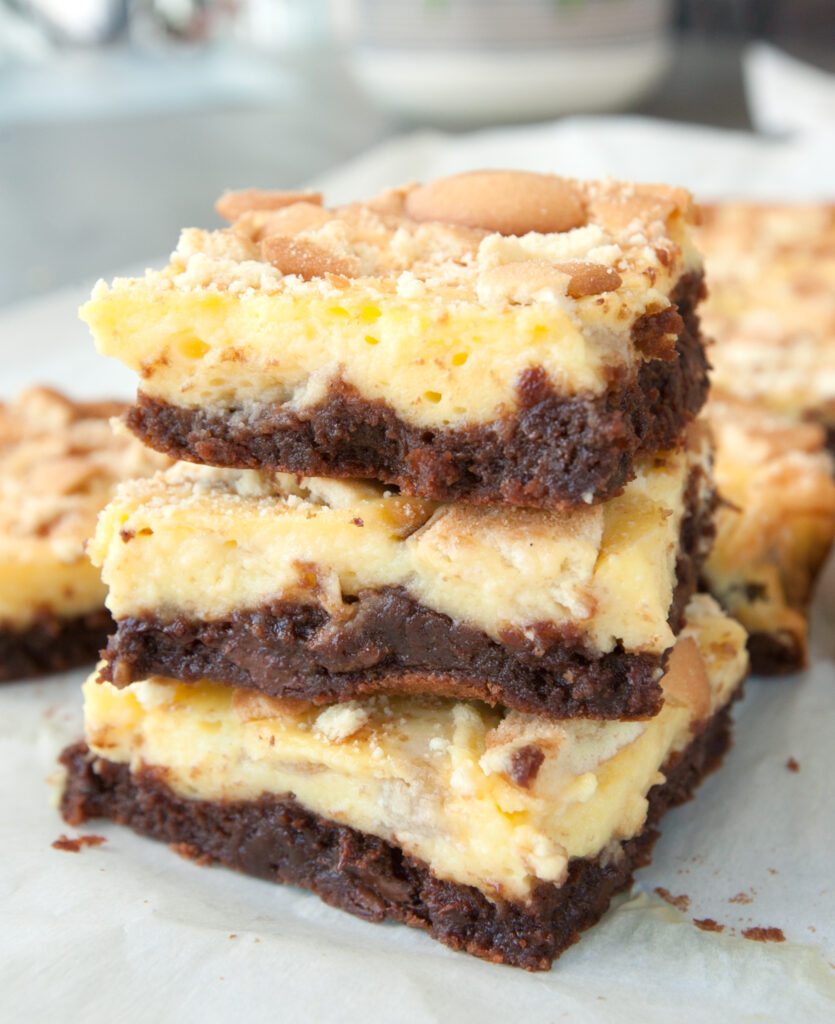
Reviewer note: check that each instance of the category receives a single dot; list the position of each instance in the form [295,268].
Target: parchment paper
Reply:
[131,932]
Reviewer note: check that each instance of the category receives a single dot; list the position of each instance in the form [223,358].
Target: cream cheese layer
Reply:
[438,320]
[204,543]
[438,778]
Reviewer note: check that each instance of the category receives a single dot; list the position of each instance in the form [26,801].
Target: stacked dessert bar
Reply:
[771,313]
[59,465]
[774,528]
[415,624]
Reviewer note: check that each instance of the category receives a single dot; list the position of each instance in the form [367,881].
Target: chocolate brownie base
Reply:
[276,839]
[553,451]
[392,644]
[775,654]
[53,644]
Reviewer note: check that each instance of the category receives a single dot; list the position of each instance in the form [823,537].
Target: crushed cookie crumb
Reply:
[743,897]
[75,845]
[760,934]
[681,903]
[707,924]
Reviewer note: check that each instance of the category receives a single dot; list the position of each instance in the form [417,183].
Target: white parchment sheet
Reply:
[130,932]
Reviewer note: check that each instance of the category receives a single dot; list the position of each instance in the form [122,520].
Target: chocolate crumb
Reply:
[75,845]
[792,765]
[525,764]
[758,934]
[707,924]
[681,903]
[743,897]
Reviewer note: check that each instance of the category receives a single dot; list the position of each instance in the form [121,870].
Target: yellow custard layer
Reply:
[434,776]
[205,543]
[436,319]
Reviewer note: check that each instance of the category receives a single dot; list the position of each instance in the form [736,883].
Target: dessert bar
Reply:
[774,526]
[494,337]
[326,590]
[502,833]
[59,465]
[771,307]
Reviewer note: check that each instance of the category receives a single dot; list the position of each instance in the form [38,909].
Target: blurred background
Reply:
[121,120]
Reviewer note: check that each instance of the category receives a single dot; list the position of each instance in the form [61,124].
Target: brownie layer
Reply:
[277,839]
[53,644]
[553,450]
[776,653]
[392,643]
